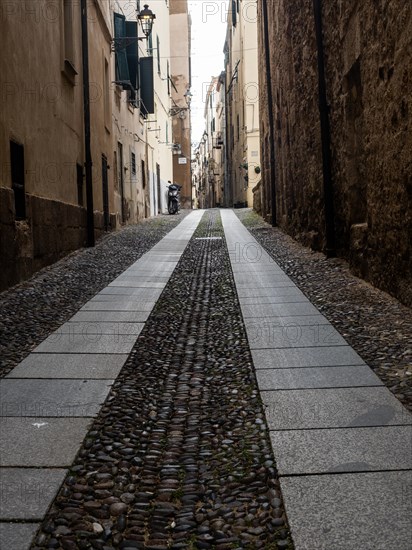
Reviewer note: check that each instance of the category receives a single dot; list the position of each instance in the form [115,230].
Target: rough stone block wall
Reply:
[52,229]
[368,48]
[369,77]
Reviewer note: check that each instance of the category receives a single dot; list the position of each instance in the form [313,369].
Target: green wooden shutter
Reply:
[146,85]
[158,53]
[132,57]
[122,67]
[234,13]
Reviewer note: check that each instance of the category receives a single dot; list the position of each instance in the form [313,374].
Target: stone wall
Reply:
[52,230]
[368,45]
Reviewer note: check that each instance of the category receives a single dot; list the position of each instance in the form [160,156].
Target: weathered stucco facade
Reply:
[43,160]
[41,133]
[367,56]
[180,35]
[242,103]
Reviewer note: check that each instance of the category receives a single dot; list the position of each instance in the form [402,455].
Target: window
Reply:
[126,58]
[158,53]
[122,68]
[234,13]
[67,43]
[106,95]
[105,193]
[146,86]
[133,163]
[68,31]
[143,175]
[17,179]
[79,170]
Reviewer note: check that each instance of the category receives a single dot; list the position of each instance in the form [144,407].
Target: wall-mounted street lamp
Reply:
[188,97]
[146,18]
[121,41]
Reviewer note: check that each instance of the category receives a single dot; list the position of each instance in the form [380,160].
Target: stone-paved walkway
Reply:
[341,440]
[179,456]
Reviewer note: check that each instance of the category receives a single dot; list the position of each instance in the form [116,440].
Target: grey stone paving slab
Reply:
[253,270]
[158,260]
[274,299]
[259,260]
[17,536]
[111,292]
[131,284]
[111,316]
[343,450]
[143,281]
[333,408]
[261,323]
[276,333]
[368,511]
[66,365]
[262,293]
[156,273]
[143,295]
[317,377]
[259,278]
[144,278]
[26,493]
[52,398]
[121,305]
[278,310]
[274,290]
[305,357]
[87,343]
[41,442]
[165,255]
[274,281]
[95,328]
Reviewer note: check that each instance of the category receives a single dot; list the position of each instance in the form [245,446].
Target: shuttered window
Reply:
[146,86]
[132,59]
[158,53]
[122,67]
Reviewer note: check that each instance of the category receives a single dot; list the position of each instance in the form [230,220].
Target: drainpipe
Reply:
[270,114]
[86,107]
[325,136]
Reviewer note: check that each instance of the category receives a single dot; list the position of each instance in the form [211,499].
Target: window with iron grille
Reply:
[133,163]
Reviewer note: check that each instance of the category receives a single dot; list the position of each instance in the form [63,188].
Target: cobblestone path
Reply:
[179,456]
[31,310]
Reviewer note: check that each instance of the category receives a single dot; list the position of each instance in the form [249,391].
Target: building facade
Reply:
[357,204]
[242,102]
[180,74]
[54,197]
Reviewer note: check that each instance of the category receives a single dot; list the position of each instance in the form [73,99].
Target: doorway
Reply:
[159,201]
[105,183]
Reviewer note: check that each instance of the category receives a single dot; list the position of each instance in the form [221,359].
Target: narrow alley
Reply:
[196,398]
[205,275]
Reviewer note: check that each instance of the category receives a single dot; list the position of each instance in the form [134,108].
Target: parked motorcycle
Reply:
[173,204]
